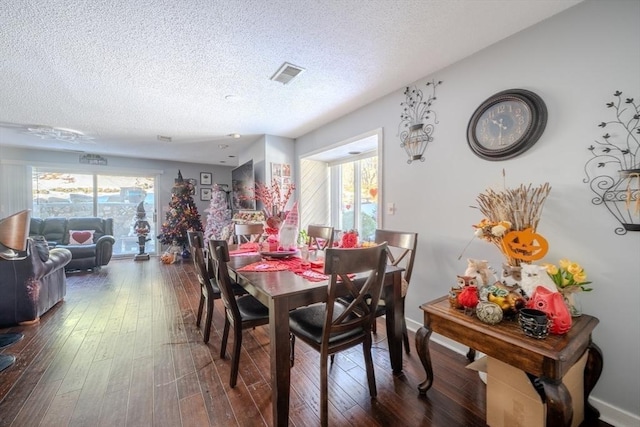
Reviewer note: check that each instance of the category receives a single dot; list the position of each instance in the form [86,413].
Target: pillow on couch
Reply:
[42,247]
[81,237]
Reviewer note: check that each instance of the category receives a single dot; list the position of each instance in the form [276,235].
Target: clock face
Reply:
[506,124]
[503,124]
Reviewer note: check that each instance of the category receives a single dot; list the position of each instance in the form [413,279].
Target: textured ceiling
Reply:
[123,72]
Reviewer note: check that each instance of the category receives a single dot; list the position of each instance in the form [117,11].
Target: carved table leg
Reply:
[422,347]
[592,372]
[559,407]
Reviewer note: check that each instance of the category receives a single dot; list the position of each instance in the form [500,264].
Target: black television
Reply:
[243,187]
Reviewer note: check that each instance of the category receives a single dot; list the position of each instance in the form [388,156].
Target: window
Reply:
[69,194]
[356,188]
[340,186]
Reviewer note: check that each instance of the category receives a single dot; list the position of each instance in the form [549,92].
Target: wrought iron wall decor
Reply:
[417,121]
[613,173]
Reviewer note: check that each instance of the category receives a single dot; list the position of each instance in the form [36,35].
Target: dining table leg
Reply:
[394,322]
[280,361]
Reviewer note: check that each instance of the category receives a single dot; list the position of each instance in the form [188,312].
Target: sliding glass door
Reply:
[69,194]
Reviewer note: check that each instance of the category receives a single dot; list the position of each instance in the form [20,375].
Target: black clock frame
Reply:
[531,135]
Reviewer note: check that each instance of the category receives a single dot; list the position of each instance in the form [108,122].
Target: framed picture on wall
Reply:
[205,194]
[206,178]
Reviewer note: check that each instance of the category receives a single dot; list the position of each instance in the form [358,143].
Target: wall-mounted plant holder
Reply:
[613,173]
[417,121]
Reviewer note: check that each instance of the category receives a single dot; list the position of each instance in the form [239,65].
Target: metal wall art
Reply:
[417,121]
[613,173]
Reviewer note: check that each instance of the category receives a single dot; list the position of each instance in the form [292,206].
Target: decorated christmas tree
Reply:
[182,215]
[219,216]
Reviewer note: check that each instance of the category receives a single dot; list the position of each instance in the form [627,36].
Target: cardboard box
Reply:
[512,400]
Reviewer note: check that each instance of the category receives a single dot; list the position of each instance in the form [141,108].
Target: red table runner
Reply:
[293,264]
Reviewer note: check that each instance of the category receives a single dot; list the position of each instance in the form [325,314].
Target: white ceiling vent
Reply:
[286,73]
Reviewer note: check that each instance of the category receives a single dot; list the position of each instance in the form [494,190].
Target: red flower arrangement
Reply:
[349,239]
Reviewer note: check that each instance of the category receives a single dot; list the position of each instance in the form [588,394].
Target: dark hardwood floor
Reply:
[122,349]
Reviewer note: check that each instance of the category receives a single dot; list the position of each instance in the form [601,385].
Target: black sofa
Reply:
[31,284]
[83,256]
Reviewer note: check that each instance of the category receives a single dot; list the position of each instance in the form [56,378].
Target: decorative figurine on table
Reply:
[142,229]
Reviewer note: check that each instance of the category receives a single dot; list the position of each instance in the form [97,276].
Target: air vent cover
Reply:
[286,73]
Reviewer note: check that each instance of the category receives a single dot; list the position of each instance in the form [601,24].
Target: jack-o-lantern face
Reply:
[525,245]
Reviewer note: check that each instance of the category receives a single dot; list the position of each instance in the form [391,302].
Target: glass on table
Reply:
[304,256]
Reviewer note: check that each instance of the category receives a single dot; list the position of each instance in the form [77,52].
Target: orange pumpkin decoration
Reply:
[525,245]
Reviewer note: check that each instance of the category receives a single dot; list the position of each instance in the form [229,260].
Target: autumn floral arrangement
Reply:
[274,199]
[511,217]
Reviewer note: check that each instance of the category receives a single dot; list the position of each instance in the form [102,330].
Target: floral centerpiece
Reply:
[569,278]
[274,199]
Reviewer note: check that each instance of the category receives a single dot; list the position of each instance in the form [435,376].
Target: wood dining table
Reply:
[283,291]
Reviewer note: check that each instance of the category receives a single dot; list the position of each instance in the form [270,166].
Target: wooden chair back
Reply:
[219,250]
[196,245]
[359,314]
[209,290]
[247,233]
[320,237]
[401,250]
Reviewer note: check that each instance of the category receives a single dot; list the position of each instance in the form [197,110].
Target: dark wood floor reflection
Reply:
[123,350]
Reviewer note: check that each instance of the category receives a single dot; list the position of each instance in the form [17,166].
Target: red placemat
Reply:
[265,265]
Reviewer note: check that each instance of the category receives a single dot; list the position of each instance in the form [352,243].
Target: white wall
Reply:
[574,61]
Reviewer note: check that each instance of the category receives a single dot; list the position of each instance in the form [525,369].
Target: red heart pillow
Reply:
[81,237]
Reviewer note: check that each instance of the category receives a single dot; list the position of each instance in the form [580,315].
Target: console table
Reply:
[549,358]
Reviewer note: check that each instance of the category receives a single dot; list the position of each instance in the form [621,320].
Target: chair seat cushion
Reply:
[308,322]
[251,309]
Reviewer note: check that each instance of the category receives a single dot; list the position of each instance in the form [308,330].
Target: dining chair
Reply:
[209,288]
[320,237]
[241,313]
[401,251]
[248,233]
[332,327]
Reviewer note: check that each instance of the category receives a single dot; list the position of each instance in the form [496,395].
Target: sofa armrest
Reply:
[104,249]
[58,258]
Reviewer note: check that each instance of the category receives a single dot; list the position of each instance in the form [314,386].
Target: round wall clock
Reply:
[506,124]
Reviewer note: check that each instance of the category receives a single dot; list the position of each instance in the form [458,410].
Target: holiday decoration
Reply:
[349,239]
[274,199]
[142,228]
[182,215]
[511,218]
[288,234]
[219,222]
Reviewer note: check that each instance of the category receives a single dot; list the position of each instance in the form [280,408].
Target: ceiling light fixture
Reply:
[59,134]
[234,135]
